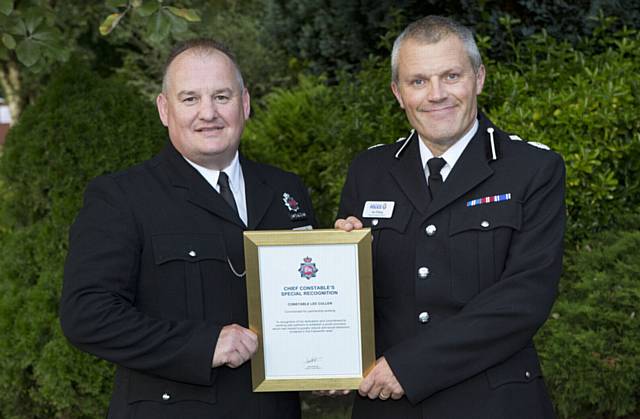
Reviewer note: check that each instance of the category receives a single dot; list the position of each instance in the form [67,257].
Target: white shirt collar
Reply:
[236,182]
[450,156]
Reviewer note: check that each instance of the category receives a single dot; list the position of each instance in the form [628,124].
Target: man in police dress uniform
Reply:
[467,247]
[154,276]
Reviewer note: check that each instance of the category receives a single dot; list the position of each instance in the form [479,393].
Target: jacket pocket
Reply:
[522,367]
[479,239]
[183,260]
[144,387]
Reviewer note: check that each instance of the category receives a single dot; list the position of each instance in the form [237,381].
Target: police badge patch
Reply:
[307,269]
[294,208]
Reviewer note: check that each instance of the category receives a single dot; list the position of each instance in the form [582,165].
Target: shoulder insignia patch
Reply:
[533,143]
[374,146]
[539,145]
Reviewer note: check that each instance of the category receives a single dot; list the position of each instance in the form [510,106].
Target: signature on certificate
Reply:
[312,363]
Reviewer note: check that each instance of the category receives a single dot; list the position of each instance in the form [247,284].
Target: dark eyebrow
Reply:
[225,90]
[187,93]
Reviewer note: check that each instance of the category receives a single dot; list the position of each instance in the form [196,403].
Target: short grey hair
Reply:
[432,29]
[203,46]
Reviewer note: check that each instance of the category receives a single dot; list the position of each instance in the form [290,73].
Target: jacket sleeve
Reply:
[97,309]
[503,318]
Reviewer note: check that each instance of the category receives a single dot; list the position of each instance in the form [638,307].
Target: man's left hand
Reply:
[381,383]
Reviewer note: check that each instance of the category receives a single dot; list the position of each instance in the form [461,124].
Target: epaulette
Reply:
[374,146]
[533,143]
[406,140]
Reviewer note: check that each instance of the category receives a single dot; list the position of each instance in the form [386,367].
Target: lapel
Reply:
[198,191]
[408,172]
[471,169]
[258,192]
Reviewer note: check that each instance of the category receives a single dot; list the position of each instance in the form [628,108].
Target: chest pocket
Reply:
[479,240]
[185,261]
[390,252]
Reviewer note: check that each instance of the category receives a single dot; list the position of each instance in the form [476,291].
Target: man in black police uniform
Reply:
[468,227]
[154,276]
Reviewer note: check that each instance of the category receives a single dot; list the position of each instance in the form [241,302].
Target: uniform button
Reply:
[527,374]
[423,317]
[192,253]
[485,224]
[423,272]
[431,230]
[374,222]
[166,396]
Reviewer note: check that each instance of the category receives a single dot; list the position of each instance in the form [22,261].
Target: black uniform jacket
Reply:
[458,334]
[149,283]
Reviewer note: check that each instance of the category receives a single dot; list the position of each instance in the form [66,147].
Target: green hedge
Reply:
[81,127]
[590,345]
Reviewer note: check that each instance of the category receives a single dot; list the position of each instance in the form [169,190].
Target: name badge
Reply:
[378,209]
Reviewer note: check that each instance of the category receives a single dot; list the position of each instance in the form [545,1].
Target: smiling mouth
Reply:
[209,129]
[446,108]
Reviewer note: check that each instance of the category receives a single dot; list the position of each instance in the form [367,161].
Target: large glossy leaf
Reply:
[45,35]
[6,7]
[33,17]
[8,41]
[190,15]
[159,27]
[116,3]
[148,8]
[28,52]
[110,23]
[178,25]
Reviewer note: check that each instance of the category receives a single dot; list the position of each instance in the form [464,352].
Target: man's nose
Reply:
[437,91]
[208,109]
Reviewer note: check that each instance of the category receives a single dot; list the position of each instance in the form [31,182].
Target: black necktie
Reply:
[225,191]
[435,178]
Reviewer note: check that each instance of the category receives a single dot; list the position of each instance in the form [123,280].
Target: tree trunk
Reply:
[10,81]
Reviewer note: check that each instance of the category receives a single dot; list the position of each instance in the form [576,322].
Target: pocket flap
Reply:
[188,247]
[520,368]
[486,217]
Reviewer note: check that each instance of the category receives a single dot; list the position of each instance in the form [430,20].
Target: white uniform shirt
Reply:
[236,182]
[450,156]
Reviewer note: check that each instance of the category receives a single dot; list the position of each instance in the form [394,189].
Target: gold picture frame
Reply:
[313,292]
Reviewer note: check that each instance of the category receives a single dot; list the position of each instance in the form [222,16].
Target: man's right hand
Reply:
[351,223]
[236,345]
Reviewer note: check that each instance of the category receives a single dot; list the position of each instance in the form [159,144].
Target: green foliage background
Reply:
[579,98]
[83,126]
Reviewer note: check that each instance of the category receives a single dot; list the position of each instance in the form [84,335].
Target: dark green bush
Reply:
[82,126]
[584,106]
[589,346]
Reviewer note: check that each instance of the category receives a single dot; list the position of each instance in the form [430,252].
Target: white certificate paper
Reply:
[310,326]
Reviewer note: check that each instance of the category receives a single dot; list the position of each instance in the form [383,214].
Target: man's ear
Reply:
[246,103]
[162,104]
[480,79]
[396,92]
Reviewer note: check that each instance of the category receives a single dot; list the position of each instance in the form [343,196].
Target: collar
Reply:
[450,156]
[234,171]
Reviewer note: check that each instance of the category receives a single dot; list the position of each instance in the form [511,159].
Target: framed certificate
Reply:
[310,300]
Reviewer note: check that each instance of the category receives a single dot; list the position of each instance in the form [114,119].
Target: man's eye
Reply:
[189,100]
[221,99]
[453,76]
[417,82]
